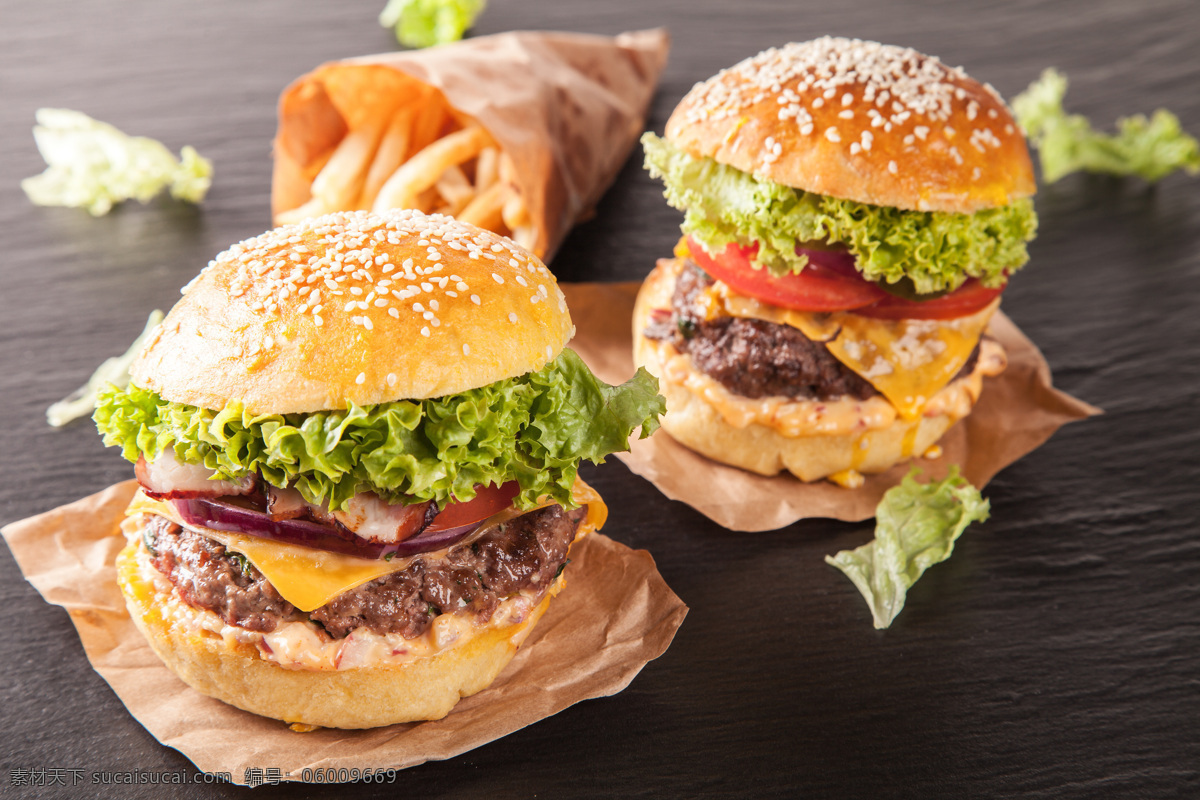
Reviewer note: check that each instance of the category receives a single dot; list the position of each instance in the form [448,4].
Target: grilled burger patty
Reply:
[523,553]
[755,358]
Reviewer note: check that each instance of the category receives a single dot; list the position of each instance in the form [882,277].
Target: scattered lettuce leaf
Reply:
[114,371]
[534,429]
[424,23]
[937,251]
[916,527]
[92,165]
[1151,148]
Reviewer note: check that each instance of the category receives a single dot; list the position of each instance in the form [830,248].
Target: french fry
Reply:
[507,172]
[514,212]
[525,236]
[486,168]
[484,210]
[423,170]
[391,154]
[455,189]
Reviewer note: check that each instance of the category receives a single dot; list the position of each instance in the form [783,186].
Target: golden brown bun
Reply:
[368,697]
[247,328]
[697,424]
[861,121]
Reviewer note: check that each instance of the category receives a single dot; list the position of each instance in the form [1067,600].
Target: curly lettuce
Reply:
[92,165]
[534,429]
[916,527]
[936,251]
[424,23]
[1150,148]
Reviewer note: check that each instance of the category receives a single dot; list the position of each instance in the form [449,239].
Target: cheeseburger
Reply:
[853,213]
[357,441]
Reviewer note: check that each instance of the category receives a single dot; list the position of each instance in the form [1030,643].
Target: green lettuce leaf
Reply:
[916,527]
[935,250]
[114,371]
[92,165]
[1151,148]
[534,429]
[424,23]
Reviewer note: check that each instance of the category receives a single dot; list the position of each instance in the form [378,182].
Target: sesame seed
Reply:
[549,352]
[466,349]
[367,323]
[391,379]
[893,168]
[362,377]
[497,278]
[425,331]
[475,299]
[521,280]
[512,317]
[832,135]
[392,312]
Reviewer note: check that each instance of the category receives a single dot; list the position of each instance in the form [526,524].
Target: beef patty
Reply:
[525,553]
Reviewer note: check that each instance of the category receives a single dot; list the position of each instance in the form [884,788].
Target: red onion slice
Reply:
[839,261]
[224,516]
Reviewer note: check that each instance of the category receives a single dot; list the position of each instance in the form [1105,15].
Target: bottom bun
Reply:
[857,436]
[234,672]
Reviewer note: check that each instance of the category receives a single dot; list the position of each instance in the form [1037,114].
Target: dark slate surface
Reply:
[1057,654]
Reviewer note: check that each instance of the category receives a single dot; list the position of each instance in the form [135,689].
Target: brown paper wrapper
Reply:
[614,616]
[1017,411]
[566,107]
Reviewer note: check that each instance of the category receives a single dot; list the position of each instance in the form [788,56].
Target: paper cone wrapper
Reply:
[1017,411]
[614,616]
[566,107]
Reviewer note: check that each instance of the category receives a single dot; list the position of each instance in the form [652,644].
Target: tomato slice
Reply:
[488,500]
[969,298]
[820,287]
[830,282]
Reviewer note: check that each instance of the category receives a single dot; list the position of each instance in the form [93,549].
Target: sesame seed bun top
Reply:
[356,307]
[860,121]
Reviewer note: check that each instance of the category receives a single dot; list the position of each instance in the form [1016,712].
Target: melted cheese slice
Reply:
[907,360]
[309,578]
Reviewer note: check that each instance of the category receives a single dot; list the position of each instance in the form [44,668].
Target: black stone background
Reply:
[1057,655]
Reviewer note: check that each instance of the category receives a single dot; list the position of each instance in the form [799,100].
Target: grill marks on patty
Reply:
[752,357]
[525,553]
[755,358]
